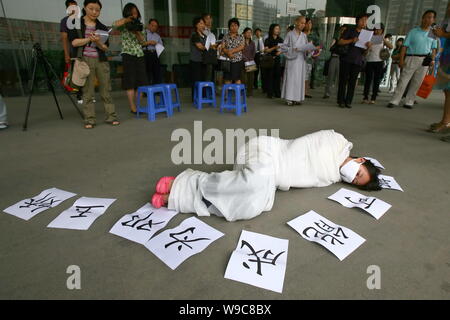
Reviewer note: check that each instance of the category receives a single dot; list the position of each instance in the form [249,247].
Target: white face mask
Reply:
[349,171]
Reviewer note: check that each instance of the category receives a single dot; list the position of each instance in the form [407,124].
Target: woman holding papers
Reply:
[295,48]
[272,75]
[374,65]
[91,50]
[352,61]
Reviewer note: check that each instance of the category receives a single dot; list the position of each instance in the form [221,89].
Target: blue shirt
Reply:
[418,42]
[153,36]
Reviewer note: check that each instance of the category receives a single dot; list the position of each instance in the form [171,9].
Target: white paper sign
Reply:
[82,214]
[340,240]
[350,199]
[159,49]
[174,246]
[210,40]
[259,260]
[49,198]
[364,37]
[141,225]
[388,182]
[375,162]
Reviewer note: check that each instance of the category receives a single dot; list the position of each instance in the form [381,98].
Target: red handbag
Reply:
[426,87]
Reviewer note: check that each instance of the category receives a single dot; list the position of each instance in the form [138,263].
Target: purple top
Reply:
[249,52]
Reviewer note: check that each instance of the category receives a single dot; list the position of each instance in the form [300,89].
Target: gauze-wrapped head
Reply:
[349,171]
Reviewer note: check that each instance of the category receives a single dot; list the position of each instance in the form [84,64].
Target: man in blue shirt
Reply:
[416,57]
[151,57]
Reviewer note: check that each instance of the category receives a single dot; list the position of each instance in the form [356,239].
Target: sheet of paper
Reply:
[141,225]
[364,37]
[49,198]
[375,162]
[259,260]
[351,199]
[210,40]
[340,240]
[159,49]
[81,214]
[174,246]
[388,182]
[103,35]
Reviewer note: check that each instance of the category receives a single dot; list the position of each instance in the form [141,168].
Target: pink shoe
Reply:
[158,201]
[162,186]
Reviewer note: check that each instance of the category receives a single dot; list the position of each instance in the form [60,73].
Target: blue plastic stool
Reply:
[152,107]
[237,102]
[170,89]
[209,97]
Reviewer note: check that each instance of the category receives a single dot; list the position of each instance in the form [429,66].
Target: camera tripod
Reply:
[39,58]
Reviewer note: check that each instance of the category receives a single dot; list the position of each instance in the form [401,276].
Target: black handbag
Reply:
[209,56]
[267,61]
[427,61]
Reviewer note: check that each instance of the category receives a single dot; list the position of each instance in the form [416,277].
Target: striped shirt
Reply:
[90,50]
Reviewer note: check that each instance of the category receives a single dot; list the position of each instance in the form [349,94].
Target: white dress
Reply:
[295,48]
[262,165]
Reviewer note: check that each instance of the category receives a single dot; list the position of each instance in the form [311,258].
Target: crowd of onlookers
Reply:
[285,68]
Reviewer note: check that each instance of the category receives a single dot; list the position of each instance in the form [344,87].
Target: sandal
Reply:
[440,128]
[113,123]
[162,186]
[89,126]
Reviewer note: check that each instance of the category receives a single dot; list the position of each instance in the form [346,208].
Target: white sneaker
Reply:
[3,126]
[80,101]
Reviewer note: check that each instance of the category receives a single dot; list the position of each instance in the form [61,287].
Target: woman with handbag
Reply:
[91,51]
[197,45]
[232,46]
[248,56]
[272,51]
[375,64]
[295,48]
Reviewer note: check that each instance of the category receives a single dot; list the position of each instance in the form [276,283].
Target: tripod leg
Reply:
[33,76]
[64,89]
[50,85]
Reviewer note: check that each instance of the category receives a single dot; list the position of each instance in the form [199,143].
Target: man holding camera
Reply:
[151,56]
[133,60]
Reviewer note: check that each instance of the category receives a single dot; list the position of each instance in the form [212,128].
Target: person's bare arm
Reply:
[401,62]
[121,22]
[388,44]
[200,46]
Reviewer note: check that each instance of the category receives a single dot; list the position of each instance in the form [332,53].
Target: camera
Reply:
[134,25]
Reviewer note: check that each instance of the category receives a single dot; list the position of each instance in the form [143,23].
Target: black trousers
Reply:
[256,73]
[153,67]
[198,73]
[348,75]
[272,77]
[374,75]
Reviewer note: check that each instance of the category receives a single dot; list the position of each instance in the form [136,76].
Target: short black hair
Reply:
[258,29]
[401,39]
[153,19]
[205,14]
[360,16]
[126,12]
[429,11]
[374,182]
[388,35]
[86,2]
[68,2]
[291,27]
[233,20]
[195,21]
[246,29]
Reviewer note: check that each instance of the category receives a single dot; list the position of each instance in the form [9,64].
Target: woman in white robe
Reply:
[295,47]
[263,165]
